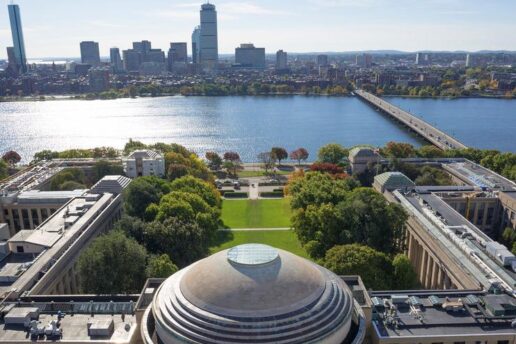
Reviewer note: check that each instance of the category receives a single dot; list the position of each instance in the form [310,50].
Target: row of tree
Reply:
[166,225]
[348,228]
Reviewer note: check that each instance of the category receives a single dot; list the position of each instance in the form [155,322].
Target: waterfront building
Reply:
[142,163]
[208,47]
[253,293]
[18,40]
[322,60]
[90,53]
[281,60]
[196,44]
[177,57]
[116,60]
[248,56]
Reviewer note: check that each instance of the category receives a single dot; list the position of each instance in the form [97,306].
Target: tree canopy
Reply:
[332,153]
[374,267]
[279,153]
[160,267]
[404,275]
[67,179]
[300,154]
[112,264]
[142,192]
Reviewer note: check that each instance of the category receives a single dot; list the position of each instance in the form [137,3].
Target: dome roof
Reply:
[253,293]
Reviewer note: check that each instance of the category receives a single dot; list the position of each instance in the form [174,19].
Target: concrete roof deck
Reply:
[74,329]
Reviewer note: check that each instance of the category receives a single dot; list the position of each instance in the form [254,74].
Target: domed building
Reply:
[253,293]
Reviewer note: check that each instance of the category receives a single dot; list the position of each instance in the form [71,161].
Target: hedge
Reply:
[273,194]
[236,195]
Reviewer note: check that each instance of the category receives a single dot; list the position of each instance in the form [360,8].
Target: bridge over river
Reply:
[419,126]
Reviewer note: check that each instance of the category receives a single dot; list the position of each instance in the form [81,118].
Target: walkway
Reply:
[255,229]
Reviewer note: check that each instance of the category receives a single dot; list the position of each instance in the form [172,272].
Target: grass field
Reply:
[285,240]
[262,213]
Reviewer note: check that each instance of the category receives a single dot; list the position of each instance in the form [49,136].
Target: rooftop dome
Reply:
[253,294]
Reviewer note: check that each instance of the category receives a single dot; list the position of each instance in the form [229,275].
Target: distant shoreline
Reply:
[82,97]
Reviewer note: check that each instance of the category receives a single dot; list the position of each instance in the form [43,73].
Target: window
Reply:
[503,342]
[459,342]
[20,249]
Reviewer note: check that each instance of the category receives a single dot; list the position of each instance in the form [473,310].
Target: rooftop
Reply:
[442,313]
[393,180]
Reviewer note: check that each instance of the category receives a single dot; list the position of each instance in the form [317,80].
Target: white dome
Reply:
[253,294]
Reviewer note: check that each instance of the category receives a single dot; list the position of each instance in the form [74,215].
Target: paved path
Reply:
[255,229]
[253,192]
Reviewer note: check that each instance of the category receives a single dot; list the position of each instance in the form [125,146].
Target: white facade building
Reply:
[143,163]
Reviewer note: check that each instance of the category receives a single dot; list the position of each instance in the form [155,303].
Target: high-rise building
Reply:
[116,60]
[17,33]
[423,59]
[90,53]
[281,60]
[12,65]
[322,60]
[208,51]
[144,46]
[248,56]
[196,44]
[364,60]
[177,56]
[132,60]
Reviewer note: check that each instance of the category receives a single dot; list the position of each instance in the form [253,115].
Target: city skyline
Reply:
[359,25]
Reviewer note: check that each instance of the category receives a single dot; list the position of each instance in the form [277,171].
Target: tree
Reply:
[430,151]
[160,267]
[141,192]
[398,150]
[72,185]
[433,176]
[104,168]
[279,153]
[315,188]
[232,167]
[112,264]
[4,172]
[45,155]
[326,167]
[299,154]
[374,267]
[132,145]
[332,153]
[184,241]
[232,156]
[67,175]
[199,187]
[176,171]
[268,160]
[11,157]
[214,160]
[132,227]
[405,277]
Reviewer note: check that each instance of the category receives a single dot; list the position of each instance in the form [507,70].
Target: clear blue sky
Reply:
[55,27]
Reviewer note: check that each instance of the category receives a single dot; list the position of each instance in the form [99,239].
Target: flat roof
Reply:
[475,174]
[432,320]
[435,214]
[38,237]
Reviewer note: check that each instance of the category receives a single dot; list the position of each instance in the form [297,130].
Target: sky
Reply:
[54,28]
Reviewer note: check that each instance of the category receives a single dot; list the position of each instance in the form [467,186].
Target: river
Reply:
[248,125]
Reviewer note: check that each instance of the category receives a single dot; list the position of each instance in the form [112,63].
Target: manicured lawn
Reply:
[284,239]
[262,213]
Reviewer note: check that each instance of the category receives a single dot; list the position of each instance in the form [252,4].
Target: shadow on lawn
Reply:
[222,237]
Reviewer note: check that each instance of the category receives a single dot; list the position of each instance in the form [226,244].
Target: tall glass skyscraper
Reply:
[209,48]
[196,44]
[18,42]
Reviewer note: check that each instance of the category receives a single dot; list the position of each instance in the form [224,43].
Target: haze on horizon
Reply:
[54,28]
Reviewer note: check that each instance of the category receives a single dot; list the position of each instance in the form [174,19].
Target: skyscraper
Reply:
[209,50]
[196,44]
[281,60]
[115,59]
[322,60]
[17,33]
[248,56]
[90,53]
[177,56]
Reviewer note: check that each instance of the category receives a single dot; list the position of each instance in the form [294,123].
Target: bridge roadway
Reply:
[421,127]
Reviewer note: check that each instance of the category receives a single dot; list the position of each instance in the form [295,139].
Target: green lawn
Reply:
[285,240]
[263,213]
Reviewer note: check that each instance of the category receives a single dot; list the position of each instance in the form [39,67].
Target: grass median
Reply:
[261,213]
